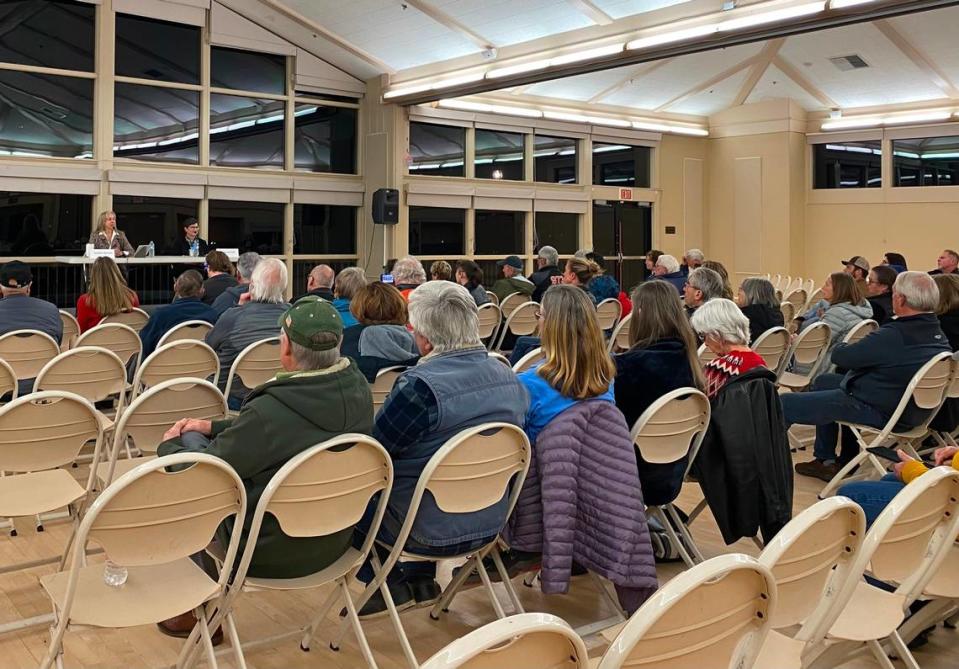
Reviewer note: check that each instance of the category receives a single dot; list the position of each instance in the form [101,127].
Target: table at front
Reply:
[151,277]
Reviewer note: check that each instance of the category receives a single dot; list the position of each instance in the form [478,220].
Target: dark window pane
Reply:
[437,150]
[156,219]
[156,124]
[43,224]
[847,165]
[636,225]
[46,115]
[561,231]
[437,231]
[247,70]
[499,155]
[248,226]
[322,228]
[325,139]
[246,132]
[604,228]
[491,271]
[932,161]
[500,232]
[48,33]
[302,269]
[555,159]
[151,49]
[620,165]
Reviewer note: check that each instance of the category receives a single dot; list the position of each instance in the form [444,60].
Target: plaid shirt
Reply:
[410,411]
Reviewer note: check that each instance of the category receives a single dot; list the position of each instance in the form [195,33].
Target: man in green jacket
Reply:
[513,281]
[320,396]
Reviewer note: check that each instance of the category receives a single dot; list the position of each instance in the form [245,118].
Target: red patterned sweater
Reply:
[721,370]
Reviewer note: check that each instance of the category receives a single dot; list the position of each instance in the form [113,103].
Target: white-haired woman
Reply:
[725,331]
[408,273]
[667,269]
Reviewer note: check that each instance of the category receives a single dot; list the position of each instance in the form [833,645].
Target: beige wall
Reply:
[682,183]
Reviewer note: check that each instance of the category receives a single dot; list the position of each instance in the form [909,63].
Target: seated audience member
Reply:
[743,465]
[320,282]
[667,269]
[19,311]
[842,308]
[107,294]
[579,272]
[470,276]
[189,240]
[723,273]
[691,260]
[879,366]
[345,287]
[701,285]
[186,306]
[948,263]
[455,386]
[948,309]
[408,273]
[879,285]
[661,358]
[253,320]
[441,270]
[602,286]
[547,267]
[896,261]
[757,300]
[513,280]
[230,297]
[221,273]
[651,257]
[858,268]
[380,337]
[320,396]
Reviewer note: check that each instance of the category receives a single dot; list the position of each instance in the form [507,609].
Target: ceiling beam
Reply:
[800,80]
[594,13]
[450,23]
[918,58]
[640,70]
[709,83]
[770,51]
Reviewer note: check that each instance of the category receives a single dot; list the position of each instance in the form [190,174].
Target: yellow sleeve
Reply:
[914,469]
[955,461]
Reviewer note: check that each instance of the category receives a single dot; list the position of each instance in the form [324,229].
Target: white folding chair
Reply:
[788,311]
[772,346]
[511,302]
[117,337]
[797,297]
[809,349]
[93,373]
[530,359]
[608,312]
[499,357]
[705,355]
[186,330]
[860,331]
[493,298]
[256,364]
[135,318]
[620,339]
[8,381]
[521,321]
[178,359]
[27,351]
[814,298]
[490,318]
[71,330]
[383,385]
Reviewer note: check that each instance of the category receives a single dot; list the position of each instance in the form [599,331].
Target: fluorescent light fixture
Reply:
[858,149]
[839,4]
[921,117]
[516,111]
[435,85]
[482,161]
[613,122]
[406,90]
[509,159]
[864,122]
[587,54]
[672,36]
[663,127]
[467,105]
[565,116]
[543,154]
[304,111]
[567,152]
[270,119]
[528,66]
[782,14]
[611,147]
[456,81]
[425,166]
[453,163]
[935,156]
[463,105]
[905,154]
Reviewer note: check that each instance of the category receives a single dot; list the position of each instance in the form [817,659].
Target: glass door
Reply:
[622,234]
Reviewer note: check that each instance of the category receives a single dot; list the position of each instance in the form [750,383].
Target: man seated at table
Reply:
[186,306]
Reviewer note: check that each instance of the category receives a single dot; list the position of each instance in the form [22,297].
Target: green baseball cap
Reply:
[309,317]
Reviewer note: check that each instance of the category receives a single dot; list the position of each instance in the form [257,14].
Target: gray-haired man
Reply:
[547,266]
[231,296]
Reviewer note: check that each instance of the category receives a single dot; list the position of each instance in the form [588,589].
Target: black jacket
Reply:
[949,322]
[947,419]
[761,318]
[881,308]
[324,293]
[541,278]
[181,247]
[744,466]
[215,285]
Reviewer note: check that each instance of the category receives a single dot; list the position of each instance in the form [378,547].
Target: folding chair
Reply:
[797,297]
[93,373]
[528,640]
[788,311]
[927,390]
[472,471]
[71,330]
[383,385]
[121,339]
[670,430]
[705,355]
[772,346]
[860,330]
[530,359]
[608,312]
[810,350]
[511,302]
[941,594]
[521,321]
[715,615]
[777,282]
[490,318]
[186,330]
[256,364]
[493,298]
[151,521]
[179,359]
[809,286]
[814,298]
[27,351]
[499,357]
[135,318]
[8,381]
[619,341]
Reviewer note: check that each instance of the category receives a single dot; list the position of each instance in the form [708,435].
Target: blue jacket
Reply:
[343,306]
[162,320]
[678,279]
[546,402]
[22,312]
[603,287]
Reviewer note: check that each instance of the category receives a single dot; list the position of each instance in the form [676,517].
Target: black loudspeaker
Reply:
[386,206]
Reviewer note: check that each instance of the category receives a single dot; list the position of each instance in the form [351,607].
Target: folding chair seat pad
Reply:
[871,613]
[38,492]
[780,652]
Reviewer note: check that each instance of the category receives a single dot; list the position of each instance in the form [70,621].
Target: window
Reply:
[848,165]
[48,33]
[322,228]
[156,219]
[437,150]
[247,70]
[620,165]
[157,124]
[246,132]
[302,269]
[500,232]
[436,231]
[43,224]
[932,161]
[46,115]
[152,49]
[499,155]
[248,226]
[559,230]
[554,159]
[325,139]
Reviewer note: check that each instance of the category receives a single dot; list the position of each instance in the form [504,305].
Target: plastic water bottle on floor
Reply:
[114,575]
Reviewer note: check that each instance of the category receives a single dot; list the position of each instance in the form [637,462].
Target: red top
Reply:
[625,303]
[87,315]
[722,370]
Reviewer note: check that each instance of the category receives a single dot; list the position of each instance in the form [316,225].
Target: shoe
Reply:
[426,591]
[516,563]
[180,627]
[376,606]
[817,469]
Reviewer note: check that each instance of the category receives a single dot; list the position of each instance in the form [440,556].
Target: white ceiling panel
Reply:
[934,34]
[774,85]
[582,87]
[506,22]
[715,99]
[620,8]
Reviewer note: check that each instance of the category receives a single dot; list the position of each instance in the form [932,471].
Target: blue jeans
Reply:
[825,404]
[873,496]
[524,344]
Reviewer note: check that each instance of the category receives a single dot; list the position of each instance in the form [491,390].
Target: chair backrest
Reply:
[772,346]
[672,427]
[608,312]
[135,318]
[797,297]
[860,330]
[528,640]
[499,357]
[619,341]
[27,351]
[788,311]
[71,330]
[493,297]
[809,286]
[714,615]
[705,355]
[8,380]
[489,320]
[811,345]
[185,358]
[816,296]
[383,384]
[952,392]
[257,363]
[45,430]
[91,372]
[529,360]
[927,389]
[522,321]
[117,337]
[186,330]
[511,301]
[777,281]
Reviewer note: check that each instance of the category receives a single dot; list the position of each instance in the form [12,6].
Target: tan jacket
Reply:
[119,241]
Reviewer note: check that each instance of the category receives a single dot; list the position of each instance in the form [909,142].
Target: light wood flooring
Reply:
[266,614]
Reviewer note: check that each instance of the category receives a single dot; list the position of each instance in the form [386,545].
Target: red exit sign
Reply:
[625,193]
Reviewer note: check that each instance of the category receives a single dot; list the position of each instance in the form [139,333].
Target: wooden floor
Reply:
[263,615]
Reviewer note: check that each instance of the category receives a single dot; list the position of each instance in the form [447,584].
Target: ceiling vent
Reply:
[846,63]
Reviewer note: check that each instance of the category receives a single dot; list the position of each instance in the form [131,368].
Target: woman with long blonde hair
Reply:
[576,366]
[106,236]
[107,294]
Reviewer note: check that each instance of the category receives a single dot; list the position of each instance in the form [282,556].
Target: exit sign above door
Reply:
[625,193]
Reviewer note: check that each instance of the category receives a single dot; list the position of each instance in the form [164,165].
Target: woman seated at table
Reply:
[106,236]
[189,243]
[107,294]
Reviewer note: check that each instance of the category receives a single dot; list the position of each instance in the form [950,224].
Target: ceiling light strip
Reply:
[853,122]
